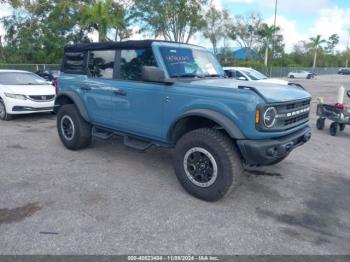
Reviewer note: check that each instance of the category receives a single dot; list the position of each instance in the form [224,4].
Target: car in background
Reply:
[49,75]
[301,74]
[23,92]
[344,71]
[249,74]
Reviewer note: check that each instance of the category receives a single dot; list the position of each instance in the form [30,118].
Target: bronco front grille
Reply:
[292,114]
[42,98]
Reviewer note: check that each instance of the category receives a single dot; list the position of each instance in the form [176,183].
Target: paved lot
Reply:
[109,199]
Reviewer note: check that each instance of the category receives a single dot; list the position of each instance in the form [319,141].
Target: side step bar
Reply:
[134,143]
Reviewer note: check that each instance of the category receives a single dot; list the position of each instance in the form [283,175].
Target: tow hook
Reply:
[306,137]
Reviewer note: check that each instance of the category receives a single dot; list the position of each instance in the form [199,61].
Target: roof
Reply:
[13,71]
[237,68]
[130,44]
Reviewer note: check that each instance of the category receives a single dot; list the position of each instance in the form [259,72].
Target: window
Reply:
[74,62]
[230,73]
[239,74]
[19,78]
[131,62]
[101,63]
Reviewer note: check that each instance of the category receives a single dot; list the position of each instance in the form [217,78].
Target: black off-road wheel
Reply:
[320,123]
[207,164]
[3,113]
[333,129]
[73,130]
[342,127]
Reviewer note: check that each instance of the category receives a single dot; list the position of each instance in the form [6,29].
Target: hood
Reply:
[31,90]
[274,81]
[273,93]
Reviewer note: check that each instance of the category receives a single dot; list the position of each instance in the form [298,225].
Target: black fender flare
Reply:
[75,98]
[227,124]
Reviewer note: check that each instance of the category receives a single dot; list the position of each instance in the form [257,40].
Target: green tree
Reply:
[214,29]
[267,33]
[244,30]
[332,42]
[174,20]
[315,44]
[103,16]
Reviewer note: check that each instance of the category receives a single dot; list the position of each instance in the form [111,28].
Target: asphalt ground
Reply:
[109,199]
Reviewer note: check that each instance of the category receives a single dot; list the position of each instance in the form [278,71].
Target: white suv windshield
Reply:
[19,78]
[187,62]
[254,75]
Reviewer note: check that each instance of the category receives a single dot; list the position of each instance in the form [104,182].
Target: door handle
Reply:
[119,92]
[85,87]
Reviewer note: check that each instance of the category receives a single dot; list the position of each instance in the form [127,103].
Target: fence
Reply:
[275,71]
[283,71]
[30,67]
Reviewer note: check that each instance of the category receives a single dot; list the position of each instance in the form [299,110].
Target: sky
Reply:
[298,19]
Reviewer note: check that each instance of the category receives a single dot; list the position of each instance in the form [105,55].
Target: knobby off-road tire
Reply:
[73,130]
[3,113]
[207,164]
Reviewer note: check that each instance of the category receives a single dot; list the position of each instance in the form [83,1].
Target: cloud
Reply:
[300,6]
[332,21]
[288,30]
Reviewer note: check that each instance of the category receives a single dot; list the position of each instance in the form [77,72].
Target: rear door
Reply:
[97,89]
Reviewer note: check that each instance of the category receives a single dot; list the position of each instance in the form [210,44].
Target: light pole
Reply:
[273,37]
[347,49]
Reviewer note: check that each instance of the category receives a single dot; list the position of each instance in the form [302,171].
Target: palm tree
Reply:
[102,16]
[315,44]
[267,33]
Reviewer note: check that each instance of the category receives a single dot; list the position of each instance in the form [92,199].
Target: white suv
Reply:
[23,92]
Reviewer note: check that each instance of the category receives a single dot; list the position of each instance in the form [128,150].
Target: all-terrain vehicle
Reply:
[157,93]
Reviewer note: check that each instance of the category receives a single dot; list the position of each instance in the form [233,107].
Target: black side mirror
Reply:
[153,74]
[348,93]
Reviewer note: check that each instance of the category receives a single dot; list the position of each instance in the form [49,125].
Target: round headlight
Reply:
[270,117]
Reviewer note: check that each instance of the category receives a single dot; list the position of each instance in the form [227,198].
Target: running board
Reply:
[134,143]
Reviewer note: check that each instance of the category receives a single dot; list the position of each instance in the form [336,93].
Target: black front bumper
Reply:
[264,152]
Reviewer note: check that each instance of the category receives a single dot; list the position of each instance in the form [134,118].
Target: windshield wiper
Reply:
[187,75]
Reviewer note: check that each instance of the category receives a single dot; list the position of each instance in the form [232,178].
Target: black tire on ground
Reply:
[333,130]
[213,148]
[291,76]
[342,127]
[278,160]
[320,123]
[3,113]
[73,130]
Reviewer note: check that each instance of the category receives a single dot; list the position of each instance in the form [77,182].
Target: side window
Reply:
[132,60]
[239,74]
[74,62]
[101,63]
[230,73]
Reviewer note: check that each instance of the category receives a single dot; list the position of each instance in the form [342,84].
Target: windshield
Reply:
[254,75]
[187,62]
[19,78]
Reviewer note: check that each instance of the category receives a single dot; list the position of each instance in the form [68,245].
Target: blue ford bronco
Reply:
[157,93]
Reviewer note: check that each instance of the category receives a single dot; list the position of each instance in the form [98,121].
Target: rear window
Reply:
[19,78]
[74,62]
